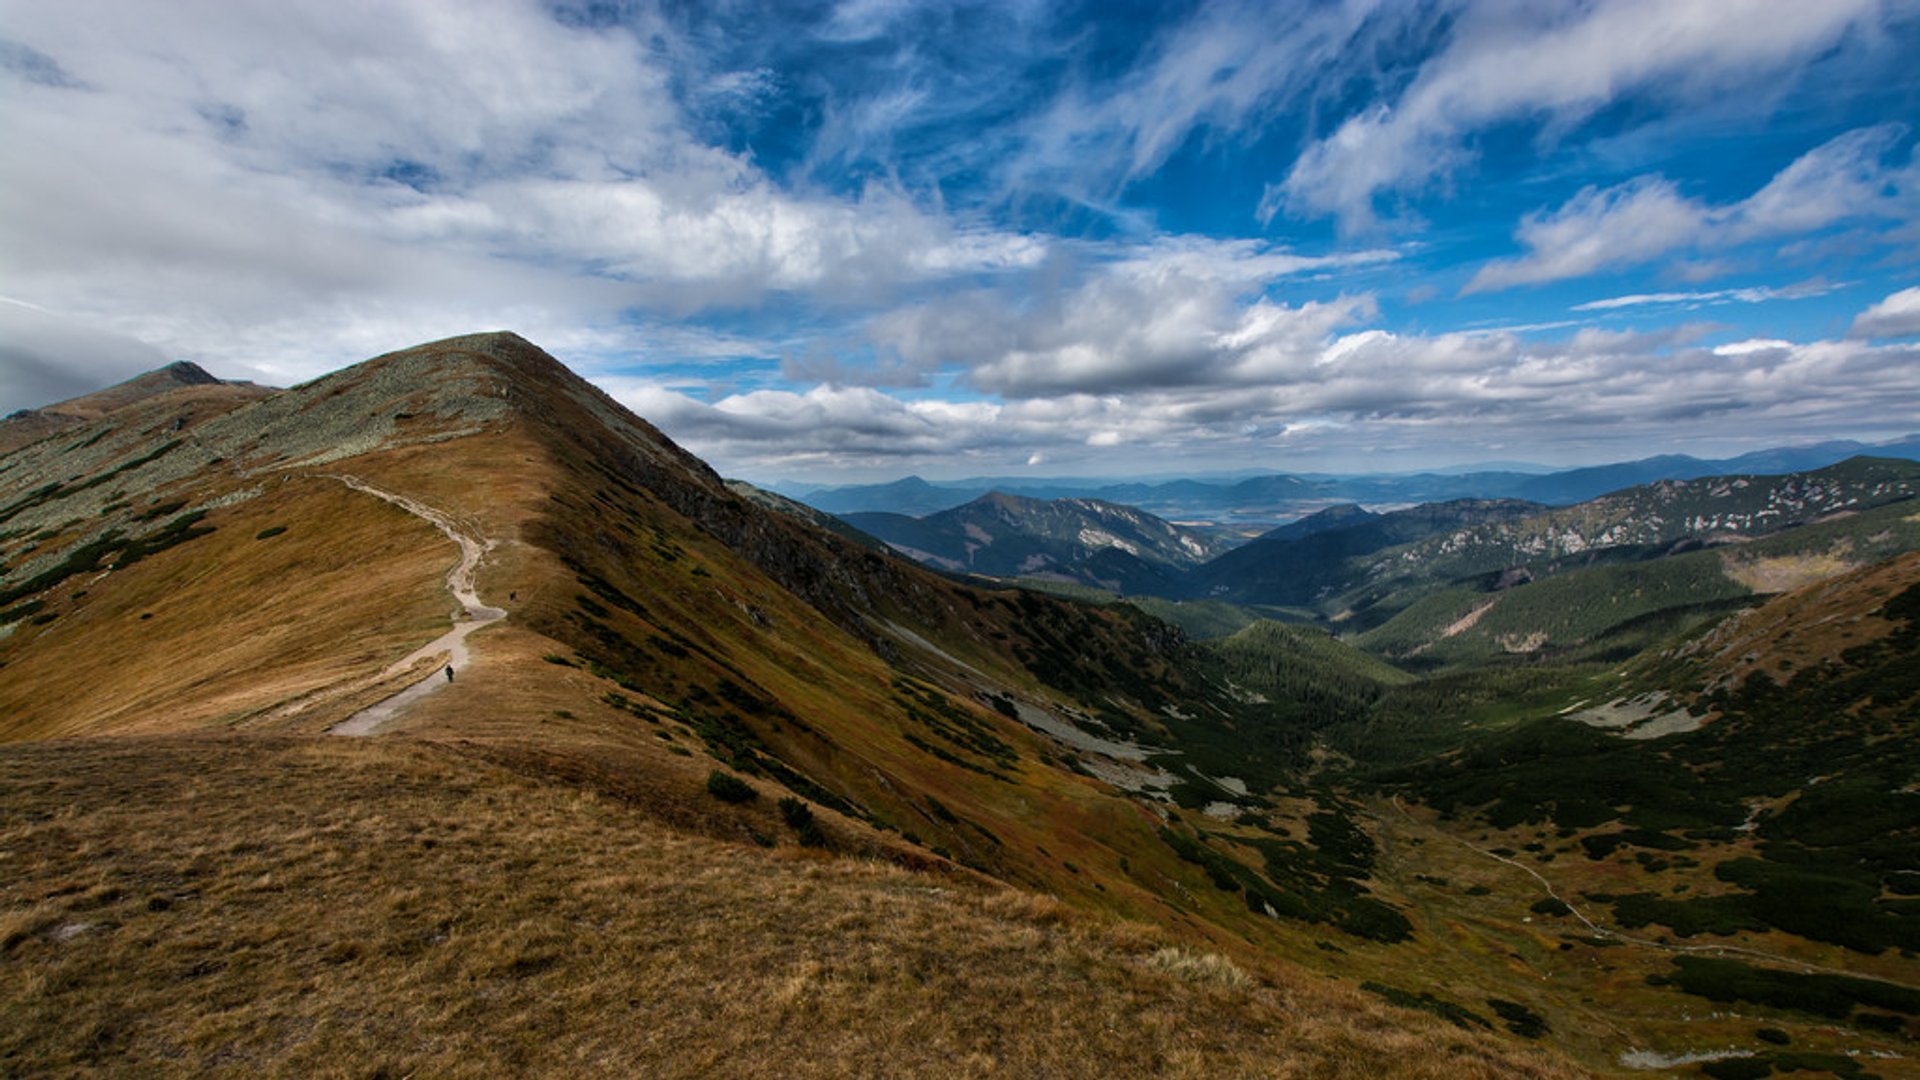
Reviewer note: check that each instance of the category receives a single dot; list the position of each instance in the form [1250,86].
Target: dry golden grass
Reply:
[268,906]
[1808,626]
[226,625]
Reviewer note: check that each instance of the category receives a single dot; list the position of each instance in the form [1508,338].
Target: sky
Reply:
[847,242]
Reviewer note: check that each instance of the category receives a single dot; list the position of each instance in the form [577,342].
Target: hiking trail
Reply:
[453,643]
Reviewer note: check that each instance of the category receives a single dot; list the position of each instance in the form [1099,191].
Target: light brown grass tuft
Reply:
[1201,969]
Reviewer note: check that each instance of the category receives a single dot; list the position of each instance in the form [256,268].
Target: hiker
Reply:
[449,672]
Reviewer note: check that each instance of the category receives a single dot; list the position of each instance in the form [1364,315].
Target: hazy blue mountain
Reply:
[1275,498]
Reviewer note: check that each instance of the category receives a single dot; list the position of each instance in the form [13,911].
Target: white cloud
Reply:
[1364,399]
[1645,218]
[219,180]
[1560,62]
[1842,178]
[1596,229]
[1753,295]
[1896,316]
[1223,72]
[1752,345]
[1181,311]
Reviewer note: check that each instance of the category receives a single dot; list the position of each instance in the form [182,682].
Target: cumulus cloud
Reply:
[1362,399]
[229,177]
[1182,311]
[1645,218]
[1561,62]
[1896,316]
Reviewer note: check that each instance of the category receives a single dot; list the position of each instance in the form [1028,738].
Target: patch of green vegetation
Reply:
[1766,1064]
[270,532]
[729,788]
[928,707]
[1322,879]
[113,549]
[161,510]
[1830,996]
[1457,1015]
[1439,712]
[1309,679]
[799,817]
[20,611]
[1519,1019]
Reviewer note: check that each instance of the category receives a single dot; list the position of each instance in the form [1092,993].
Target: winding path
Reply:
[453,643]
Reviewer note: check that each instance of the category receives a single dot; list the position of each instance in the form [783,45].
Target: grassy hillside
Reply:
[406,907]
[1614,609]
[707,672]
[1770,807]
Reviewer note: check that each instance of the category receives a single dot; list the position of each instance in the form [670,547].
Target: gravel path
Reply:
[453,643]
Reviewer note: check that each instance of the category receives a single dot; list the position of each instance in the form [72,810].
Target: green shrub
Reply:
[729,788]
[1519,1019]
[799,817]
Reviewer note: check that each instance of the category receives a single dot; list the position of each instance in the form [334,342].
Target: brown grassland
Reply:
[192,905]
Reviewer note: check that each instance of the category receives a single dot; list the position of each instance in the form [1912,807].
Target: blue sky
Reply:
[851,241]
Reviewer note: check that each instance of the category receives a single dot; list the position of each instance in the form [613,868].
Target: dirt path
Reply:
[1646,943]
[453,643]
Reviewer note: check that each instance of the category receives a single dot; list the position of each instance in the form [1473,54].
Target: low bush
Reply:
[729,788]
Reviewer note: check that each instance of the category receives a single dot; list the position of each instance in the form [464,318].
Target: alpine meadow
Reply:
[893,538]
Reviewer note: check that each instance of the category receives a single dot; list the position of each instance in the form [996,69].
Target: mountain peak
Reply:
[184,372]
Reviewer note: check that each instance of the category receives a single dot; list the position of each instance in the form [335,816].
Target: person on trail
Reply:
[449,672]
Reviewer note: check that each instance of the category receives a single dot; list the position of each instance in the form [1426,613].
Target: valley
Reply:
[1483,786]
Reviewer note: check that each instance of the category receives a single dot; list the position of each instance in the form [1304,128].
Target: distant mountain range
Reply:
[1271,499]
[1393,572]
[1088,541]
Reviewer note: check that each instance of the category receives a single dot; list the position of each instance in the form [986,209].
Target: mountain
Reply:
[910,496]
[1277,498]
[1747,785]
[31,425]
[1082,540]
[646,755]
[1301,563]
[1378,565]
